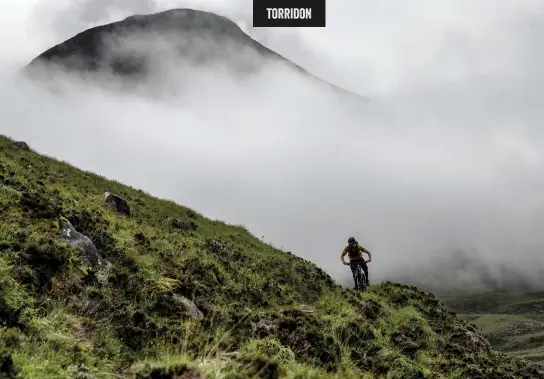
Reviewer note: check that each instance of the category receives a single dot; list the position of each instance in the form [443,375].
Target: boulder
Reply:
[181,224]
[305,308]
[471,340]
[22,145]
[217,248]
[116,203]
[91,256]
[190,307]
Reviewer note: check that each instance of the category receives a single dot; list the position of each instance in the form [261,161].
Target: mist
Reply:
[443,165]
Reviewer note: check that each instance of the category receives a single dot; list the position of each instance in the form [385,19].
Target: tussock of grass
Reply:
[261,311]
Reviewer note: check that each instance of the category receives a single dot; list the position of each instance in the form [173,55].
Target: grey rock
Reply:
[305,308]
[218,248]
[474,341]
[181,224]
[91,256]
[22,145]
[263,328]
[189,307]
[116,203]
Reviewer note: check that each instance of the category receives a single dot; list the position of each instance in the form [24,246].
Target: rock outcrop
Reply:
[22,145]
[190,307]
[116,203]
[91,256]
[181,224]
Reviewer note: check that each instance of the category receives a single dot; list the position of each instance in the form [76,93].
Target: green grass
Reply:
[496,302]
[496,323]
[513,322]
[519,336]
[265,313]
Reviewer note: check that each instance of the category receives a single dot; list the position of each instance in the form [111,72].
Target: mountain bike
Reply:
[359,277]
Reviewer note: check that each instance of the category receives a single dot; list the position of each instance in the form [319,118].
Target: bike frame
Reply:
[360,278]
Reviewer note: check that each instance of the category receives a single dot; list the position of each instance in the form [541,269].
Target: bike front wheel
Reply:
[361,279]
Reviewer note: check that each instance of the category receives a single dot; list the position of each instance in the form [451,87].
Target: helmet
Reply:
[352,241]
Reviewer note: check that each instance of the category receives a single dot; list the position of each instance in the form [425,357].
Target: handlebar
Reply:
[347,263]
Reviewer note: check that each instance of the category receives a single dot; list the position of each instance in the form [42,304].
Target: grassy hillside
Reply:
[496,302]
[513,322]
[177,295]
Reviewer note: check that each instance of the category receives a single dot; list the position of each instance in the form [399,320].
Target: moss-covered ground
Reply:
[262,312]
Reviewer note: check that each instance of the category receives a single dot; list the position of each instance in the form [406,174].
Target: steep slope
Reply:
[159,291]
[132,46]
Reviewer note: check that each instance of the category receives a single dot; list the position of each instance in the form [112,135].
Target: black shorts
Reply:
[359,261]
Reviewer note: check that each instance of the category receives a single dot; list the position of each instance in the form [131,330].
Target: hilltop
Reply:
[101,280]
[135,47]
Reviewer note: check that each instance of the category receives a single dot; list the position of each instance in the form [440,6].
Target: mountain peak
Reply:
[131,46]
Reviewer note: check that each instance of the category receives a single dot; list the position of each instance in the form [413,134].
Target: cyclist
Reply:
[355,254]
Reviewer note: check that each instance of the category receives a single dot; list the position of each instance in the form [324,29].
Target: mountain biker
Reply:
[355,254]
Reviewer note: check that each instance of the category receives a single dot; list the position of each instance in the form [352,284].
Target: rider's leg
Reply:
[353,268]
[365,269]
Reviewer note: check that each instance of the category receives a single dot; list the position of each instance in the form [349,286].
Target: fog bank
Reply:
[447,156]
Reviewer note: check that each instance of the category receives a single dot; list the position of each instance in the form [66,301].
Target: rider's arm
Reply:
[368,252]
[344,252]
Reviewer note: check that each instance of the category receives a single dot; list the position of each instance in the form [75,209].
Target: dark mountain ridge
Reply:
[130,47]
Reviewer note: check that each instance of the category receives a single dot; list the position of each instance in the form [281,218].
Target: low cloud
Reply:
[447,157]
